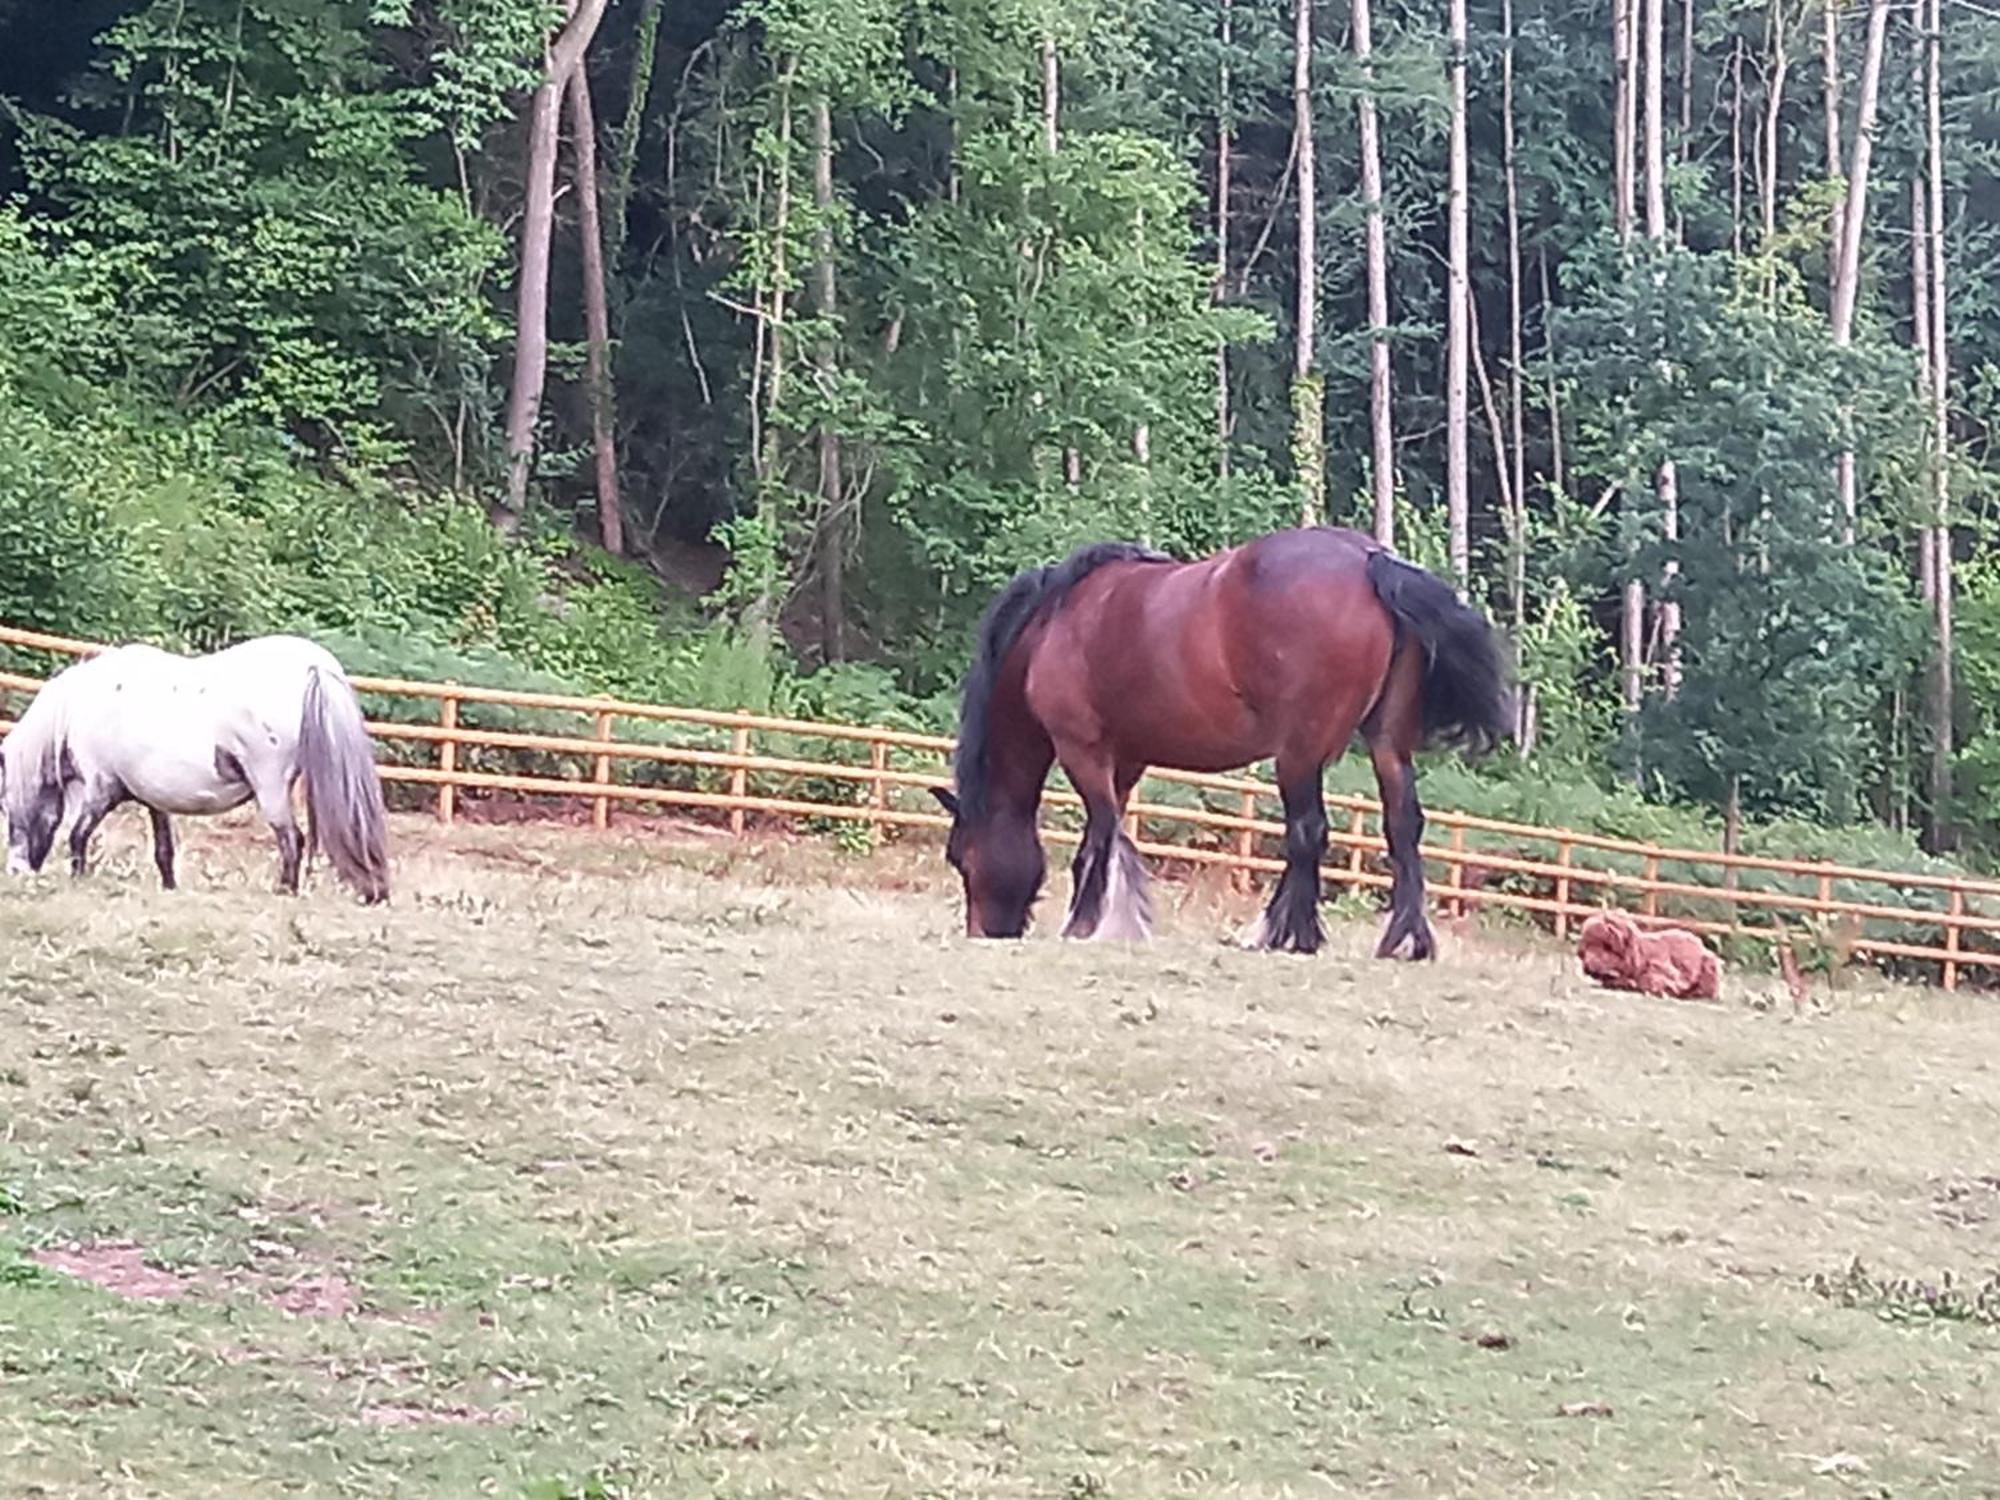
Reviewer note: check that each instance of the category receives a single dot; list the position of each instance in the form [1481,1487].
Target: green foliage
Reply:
[1789,632]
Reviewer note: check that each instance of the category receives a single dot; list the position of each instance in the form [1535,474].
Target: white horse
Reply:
[199,735]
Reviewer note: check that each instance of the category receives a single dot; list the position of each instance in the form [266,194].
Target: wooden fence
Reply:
[443,737]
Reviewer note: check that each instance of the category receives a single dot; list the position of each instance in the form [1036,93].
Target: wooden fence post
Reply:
[1457,870]
[739,779]
[1951,937]
[1246,845]
[1825,892]
[1357,825]
[1562,889]
[878,796]
[600,810]
[448,756]
[1651,903]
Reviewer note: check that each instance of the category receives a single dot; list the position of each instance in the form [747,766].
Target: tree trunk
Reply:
[1380,414]
[1308,419]
[775,318]
[1829,50]
[596,314]
[1225,142]
[833,529]
[531,293]
[1736,148]
[1458,319]
[1687,83]
[1051,94]
[1052,142]
[1516,393]
[1653,50]
[1557,469]
[1623,35]
[1847,283]
[1774,104]
[1942,735]
[1666,481]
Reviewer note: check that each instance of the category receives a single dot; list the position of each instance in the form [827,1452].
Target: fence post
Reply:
[739,779]
[1562,889]
[1457,870]
[448,756]
[1651,904]
[1951,937]
[1246,845]
[1357,824]
[600,810]
[1825,892]
[878,796]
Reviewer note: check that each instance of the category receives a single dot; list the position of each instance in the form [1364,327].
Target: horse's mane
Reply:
[1027,598]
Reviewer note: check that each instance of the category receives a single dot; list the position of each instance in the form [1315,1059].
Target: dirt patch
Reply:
[396,1414]
[117,1266]
[329,1296]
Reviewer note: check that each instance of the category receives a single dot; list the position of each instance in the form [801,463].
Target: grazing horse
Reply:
[1118,658]
[199,735]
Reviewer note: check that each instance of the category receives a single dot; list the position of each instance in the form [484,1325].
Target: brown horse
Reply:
[1118,658]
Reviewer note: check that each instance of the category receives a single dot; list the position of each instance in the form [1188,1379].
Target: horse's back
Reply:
[1210,664]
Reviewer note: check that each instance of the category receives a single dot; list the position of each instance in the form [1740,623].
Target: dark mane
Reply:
[1030,595]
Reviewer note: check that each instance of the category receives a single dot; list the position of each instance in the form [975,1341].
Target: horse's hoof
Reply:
[1256,933]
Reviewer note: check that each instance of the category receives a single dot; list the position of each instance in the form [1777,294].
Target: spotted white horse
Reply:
[199,735]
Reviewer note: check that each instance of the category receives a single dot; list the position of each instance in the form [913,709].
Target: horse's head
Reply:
[999,857]
[33,809]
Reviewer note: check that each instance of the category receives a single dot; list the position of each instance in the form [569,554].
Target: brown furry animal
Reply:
[1617,953]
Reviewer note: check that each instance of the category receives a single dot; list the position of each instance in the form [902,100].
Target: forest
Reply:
[733,352]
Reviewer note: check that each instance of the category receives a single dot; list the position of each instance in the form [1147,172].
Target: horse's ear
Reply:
[947,800]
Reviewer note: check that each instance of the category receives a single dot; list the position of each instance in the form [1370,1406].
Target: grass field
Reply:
[673,1166]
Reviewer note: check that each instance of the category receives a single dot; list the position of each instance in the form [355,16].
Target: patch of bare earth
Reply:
[118,1267]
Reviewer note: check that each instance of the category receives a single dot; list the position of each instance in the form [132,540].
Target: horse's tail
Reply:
[344,810]
[1467,700]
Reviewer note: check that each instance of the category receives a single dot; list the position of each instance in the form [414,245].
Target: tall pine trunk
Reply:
[1308,419]
[531,294]
[1225,146]
[1829,50]
[596,314]
[833,530]
[1942,732]
[1847,282]
[1380,413]
[1458,319]
[1666,481]
[1517,562]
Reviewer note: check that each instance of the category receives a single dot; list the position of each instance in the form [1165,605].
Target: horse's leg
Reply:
[163,847]
[99,798]
[273,788]
[1108,891]
[1128,906]
[1391,745]
[1291,922]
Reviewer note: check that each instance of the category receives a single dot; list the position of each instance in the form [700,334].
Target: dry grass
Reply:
[659,1166]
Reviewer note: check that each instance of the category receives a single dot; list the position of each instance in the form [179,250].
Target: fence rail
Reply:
[751,764]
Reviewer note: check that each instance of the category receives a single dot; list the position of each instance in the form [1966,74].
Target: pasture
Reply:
[661,1164]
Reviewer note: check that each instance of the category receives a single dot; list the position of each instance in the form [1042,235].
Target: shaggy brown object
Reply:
[1617,953]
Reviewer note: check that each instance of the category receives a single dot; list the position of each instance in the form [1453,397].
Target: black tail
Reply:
[1467,700]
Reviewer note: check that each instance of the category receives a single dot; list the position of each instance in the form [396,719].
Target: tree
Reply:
[1308,389]
[1847,277]
[1458,313]
[1789,633]
[531,309]
[1381,421]
[596,312]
